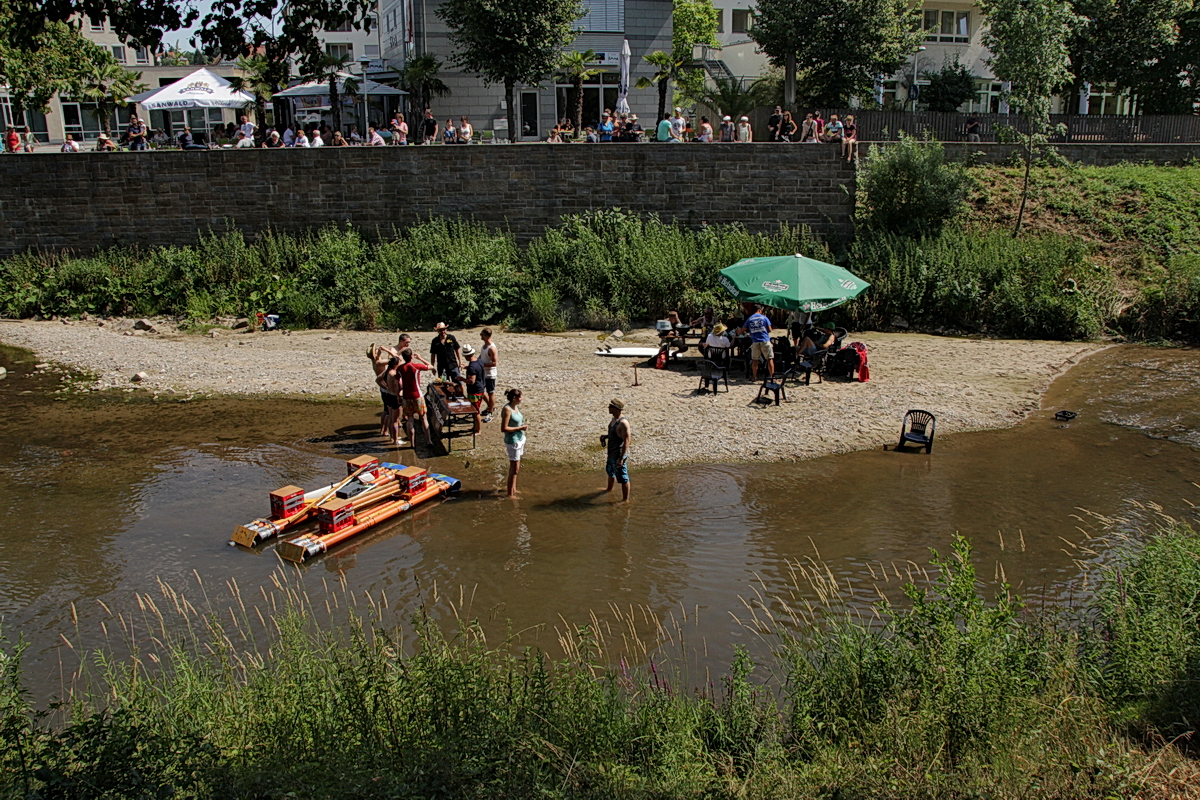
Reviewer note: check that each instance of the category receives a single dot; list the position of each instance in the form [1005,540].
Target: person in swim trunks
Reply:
[617,443]
[389,389]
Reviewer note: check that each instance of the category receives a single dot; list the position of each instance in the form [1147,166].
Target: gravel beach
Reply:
[970,384]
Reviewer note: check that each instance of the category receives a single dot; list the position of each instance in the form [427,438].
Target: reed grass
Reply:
[945,693]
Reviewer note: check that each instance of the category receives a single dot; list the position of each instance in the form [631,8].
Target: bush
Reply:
[1168,306]
[907,188]
[1034,287]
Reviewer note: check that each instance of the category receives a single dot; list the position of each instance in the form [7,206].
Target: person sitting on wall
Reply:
[337,140]
[105,144]
[69,145]
[243,140]
[273,141]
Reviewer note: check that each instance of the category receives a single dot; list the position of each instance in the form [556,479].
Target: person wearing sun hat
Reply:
[745,133]
[726,131]
[444,353]
[716,346]
[616,441]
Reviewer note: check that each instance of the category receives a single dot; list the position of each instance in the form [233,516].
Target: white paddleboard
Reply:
[629,352]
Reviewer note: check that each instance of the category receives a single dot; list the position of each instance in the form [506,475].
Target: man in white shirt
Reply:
[317,141]
[301,139]
[374,139]
[69,145]
[678,123]
[247,127]
[243,140]
[289,137]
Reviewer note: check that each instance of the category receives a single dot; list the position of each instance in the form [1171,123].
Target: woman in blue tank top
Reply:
[512,424]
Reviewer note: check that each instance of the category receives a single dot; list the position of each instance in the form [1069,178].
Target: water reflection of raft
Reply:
[371,493]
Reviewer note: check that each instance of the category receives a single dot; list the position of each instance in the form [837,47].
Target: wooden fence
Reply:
[879,126]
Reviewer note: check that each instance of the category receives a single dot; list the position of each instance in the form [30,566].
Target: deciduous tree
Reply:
[510,41]
[58,60]
[1028,44]
[949,87]
[837,47]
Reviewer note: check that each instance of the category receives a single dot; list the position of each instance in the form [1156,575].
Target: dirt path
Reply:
[970,384]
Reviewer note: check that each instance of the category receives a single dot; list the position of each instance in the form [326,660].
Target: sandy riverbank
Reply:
[971,384]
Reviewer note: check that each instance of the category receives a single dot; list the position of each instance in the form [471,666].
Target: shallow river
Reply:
[104,497]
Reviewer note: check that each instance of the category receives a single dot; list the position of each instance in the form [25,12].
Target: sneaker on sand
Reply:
[487,417]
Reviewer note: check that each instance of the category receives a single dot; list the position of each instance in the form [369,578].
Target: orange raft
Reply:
[345,504]
[337,528]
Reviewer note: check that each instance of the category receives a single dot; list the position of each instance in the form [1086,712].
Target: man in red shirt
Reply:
[410,392]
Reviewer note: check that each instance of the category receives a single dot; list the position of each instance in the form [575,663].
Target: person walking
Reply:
[489,360]
[512,425]
[616,441]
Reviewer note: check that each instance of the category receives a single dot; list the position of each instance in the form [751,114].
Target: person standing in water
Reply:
[389,389]
[617,442]
[512,424]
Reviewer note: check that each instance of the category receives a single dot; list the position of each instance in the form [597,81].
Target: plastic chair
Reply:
[918,427]
[713,373]
[776,384]
[816,363]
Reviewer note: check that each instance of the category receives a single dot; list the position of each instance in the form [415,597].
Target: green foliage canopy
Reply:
[58,60]
[949,87]
[840,46]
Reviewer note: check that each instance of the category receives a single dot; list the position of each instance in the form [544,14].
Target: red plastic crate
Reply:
[335,515]
[286,501]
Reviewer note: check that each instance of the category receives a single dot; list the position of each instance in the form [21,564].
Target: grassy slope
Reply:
[1125,210]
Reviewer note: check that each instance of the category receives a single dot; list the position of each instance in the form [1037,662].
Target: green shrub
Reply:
[544,312]
[1168,306]
[907,188]
[1033,287]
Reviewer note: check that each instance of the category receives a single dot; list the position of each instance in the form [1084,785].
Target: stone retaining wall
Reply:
[87,201]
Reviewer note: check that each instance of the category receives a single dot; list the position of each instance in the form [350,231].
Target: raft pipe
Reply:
[260,530]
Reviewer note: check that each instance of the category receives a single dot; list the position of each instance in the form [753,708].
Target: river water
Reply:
[104,497]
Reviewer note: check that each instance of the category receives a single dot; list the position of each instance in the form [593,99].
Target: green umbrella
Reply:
[791,282]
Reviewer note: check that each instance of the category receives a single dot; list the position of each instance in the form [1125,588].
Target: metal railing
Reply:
[1081,128]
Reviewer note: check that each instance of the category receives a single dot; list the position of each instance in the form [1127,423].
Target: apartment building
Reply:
[411,28]
[952,29]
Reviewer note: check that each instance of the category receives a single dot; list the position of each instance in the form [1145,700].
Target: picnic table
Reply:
[447,409]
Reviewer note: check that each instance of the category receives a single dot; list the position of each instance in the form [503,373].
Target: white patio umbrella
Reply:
[317,88]
[623,86]
[201,89]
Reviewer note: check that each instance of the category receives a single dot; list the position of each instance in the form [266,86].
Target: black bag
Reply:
[844,363]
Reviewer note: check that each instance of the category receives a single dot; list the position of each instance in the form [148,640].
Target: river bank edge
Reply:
[972,384]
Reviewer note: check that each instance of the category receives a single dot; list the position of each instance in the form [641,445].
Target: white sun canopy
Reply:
[321,88]
[201,89]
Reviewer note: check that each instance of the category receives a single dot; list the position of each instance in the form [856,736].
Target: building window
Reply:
[340,50]
[142,55]
[987,101]
[947,26]
[97,24]
[740,23]
[371,23]
[118,51]
[1105,98]
[528,117]
[720,19]
[391,20]
[371,51]
[343,28]
[889,94]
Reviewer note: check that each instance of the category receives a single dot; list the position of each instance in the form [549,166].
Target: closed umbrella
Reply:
[623,86]
[792,282]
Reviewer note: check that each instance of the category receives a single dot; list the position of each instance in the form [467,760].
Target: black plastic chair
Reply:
[918,427]
[776,385]
[714,374]
[817,364]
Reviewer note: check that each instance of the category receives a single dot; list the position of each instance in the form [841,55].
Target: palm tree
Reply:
[731,96]
[332,69]
[262,79]
[420,79]
[575,68]
[669,69]
[107,85]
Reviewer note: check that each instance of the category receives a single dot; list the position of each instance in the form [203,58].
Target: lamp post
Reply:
[365,62]
[913,91]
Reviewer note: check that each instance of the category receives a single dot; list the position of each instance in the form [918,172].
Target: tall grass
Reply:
[1038,286]
[948,694]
